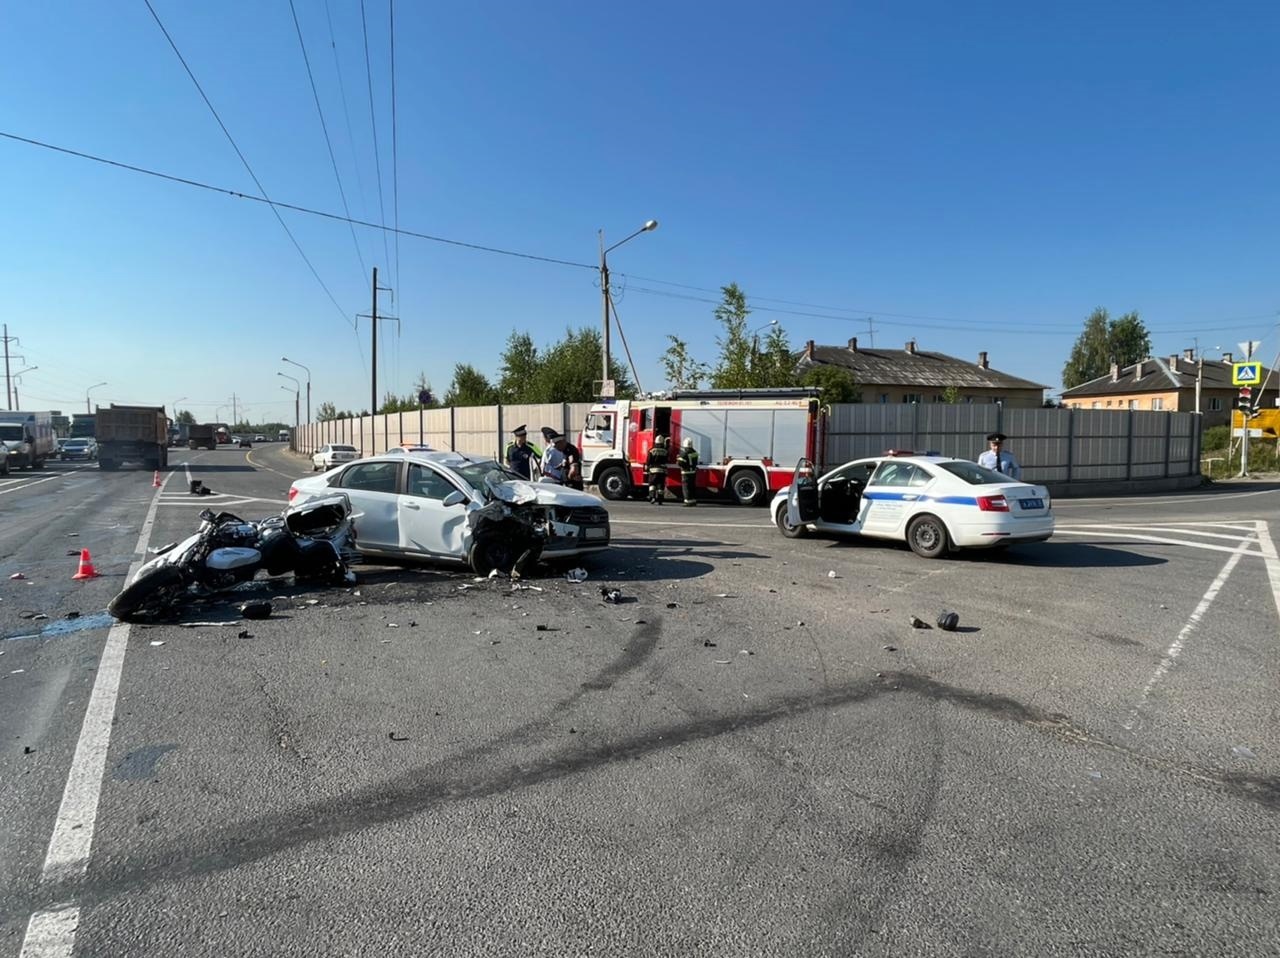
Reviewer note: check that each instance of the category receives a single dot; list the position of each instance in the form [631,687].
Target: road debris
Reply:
[889,648]
[393,625]
[397,738]
[576,575]
[1243,751]
[157,642]
[947,621]
[832,574]
[919,623]
[611,595]
[17,575]
[256,610]
[708,644]
[244,634]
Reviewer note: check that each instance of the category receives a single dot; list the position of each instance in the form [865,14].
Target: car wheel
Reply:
[927,536]
[746,486]
[787,528]
[613,484]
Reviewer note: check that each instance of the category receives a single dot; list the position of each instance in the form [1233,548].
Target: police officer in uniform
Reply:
[656,469]
[999,458]
[687,460]
[520,451]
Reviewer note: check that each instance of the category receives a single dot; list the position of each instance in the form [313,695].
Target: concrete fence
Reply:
[1057,447]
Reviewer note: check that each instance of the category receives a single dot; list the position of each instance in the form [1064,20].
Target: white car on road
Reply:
[416,506]
[933,503]
[332,454]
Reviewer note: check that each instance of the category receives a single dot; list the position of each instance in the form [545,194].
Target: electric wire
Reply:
[247,167]
[373,123]
[1187,326]
[333,160]
[395,184]
[293,206]
[346,112]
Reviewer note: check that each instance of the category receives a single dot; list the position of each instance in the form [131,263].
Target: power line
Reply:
[395,153]
[333,161]
[373,123]
[342,91]
[252,175]
[1190,326]
[292,206]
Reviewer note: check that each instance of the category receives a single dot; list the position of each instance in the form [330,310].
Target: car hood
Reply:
[544,494]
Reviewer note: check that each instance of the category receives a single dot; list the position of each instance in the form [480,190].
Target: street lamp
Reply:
[295,396]
[755,335]
[286,359]
[648,227]
[16,383]
[86,396]
[295,404]
[174,405]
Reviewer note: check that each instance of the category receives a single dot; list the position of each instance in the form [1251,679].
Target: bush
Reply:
[1216,437]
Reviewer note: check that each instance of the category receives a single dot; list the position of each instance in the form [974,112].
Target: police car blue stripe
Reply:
[917,497]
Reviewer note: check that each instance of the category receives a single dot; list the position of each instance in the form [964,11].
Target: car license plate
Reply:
[595,533]
[1031,503]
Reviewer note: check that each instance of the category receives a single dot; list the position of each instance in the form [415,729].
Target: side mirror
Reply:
[453,498]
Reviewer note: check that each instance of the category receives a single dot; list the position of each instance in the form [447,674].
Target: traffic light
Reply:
[1245,402]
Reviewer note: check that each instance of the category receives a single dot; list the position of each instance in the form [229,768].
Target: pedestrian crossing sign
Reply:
[1246,374]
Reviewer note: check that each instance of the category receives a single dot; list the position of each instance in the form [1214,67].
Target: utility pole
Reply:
[604,296]
[8,382]
[373,382]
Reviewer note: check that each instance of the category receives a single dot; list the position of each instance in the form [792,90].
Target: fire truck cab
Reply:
[748,440]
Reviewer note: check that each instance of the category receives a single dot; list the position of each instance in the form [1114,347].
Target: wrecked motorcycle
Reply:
[314,540]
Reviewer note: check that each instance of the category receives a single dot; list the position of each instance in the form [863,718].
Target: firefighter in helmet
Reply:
[687,460]
[656,470]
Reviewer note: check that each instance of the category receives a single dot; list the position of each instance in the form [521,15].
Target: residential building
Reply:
[1167,383]
[911,375]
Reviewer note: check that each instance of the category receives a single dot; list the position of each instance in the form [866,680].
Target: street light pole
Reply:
[87,410]
[286,359]
[295,404]
[14,376]
[295,396]
[648,227]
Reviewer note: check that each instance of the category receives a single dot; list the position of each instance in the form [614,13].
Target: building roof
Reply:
[911,367]
[1161,374]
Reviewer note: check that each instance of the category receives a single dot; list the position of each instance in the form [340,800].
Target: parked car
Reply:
[82,449]
[417,505]
[933,503]
[244,442]
[406,448]
[332,454]
[259,438]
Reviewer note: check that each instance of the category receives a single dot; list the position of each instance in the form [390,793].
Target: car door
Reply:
[890,497]
[372,488]
[840,495]
[427,525]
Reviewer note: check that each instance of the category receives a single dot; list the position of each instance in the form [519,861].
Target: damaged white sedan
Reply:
[439,506]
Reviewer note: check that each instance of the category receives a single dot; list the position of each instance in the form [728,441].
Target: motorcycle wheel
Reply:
[148,595]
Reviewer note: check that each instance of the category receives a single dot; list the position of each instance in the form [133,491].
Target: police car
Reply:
[932,502]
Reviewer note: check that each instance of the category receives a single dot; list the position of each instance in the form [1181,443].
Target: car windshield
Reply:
[76,443]
[476,473]
[973,473]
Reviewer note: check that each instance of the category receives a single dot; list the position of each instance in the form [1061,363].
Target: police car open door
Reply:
[802,499]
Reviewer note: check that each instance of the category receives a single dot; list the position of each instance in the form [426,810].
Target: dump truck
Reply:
[132,434]
[201,435]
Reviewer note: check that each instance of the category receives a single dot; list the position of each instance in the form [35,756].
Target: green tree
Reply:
[1128,339]
[565,371]
[185,417]
[518,369]
[838,384]
[470,388]
[774,366]
[951,395]
[683,371]
[1104,341]
[733,367]
[326,412]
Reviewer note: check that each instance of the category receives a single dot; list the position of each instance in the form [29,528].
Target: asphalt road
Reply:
[752,754]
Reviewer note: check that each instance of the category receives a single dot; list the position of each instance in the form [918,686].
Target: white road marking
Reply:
[28,485]
[1271,559]
[675,522]
[1176,648]
[1158,500]
[1156,540]
[1185,530]
[52,932]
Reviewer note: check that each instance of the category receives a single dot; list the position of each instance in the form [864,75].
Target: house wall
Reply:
[874,393]
[1183,400]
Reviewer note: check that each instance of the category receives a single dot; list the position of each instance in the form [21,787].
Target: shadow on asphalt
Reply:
[1065,555]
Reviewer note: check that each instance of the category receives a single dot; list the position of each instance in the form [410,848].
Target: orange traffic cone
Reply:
[87,571]
[155,482]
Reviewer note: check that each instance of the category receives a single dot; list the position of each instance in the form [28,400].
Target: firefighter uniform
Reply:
[656,470]
[687,460]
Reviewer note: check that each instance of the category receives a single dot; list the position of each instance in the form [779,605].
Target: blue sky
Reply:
[975,176]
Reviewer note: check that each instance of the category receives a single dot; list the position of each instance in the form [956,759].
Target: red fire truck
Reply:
[748,440]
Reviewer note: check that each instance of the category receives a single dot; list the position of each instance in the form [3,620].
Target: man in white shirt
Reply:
[1000,459]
